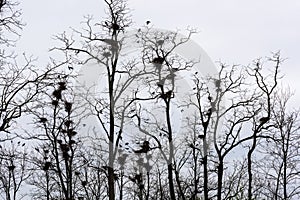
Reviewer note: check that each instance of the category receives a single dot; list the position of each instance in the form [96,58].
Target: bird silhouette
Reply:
[158,60]
[62,85]
[201,136]
[68,106]
[144,148]
[57,94]
[264,120]
[43,120]
[218,83]
[160,42]
[47,166]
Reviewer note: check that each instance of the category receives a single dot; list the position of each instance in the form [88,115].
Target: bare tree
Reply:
[220,123]
[13,87]
[227,104]
[60,160]
[238,140]
[20,88]
[267,85]
[14,167]
[280,161]
[10,23]
[158,50]
[104,47]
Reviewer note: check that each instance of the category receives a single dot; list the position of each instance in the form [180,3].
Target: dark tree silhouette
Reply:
[236,138]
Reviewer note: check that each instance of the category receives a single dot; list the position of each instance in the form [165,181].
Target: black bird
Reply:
[47,166]
[144,148]
[68,106]
[217,83]
[264,120]
[169,93]
[62,85]
[158,60]
[43,120]
[148,22]
[57,94]
[160,42]
[115,28]
[201,136]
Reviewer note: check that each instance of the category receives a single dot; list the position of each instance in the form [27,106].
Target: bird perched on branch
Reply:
[115,28]
[47,166]
[264,120]
[160,42]
[217,83]
[144,148]
[158,60]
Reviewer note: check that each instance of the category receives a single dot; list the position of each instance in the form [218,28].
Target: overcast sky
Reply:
[233,31]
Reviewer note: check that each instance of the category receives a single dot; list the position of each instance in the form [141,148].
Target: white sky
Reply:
[233,31]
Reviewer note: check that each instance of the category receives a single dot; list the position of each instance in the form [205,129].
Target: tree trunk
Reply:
[171,184]
[111,178]
[250,175]
[171,151]
[220,178]
[111,184]
[205,170]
